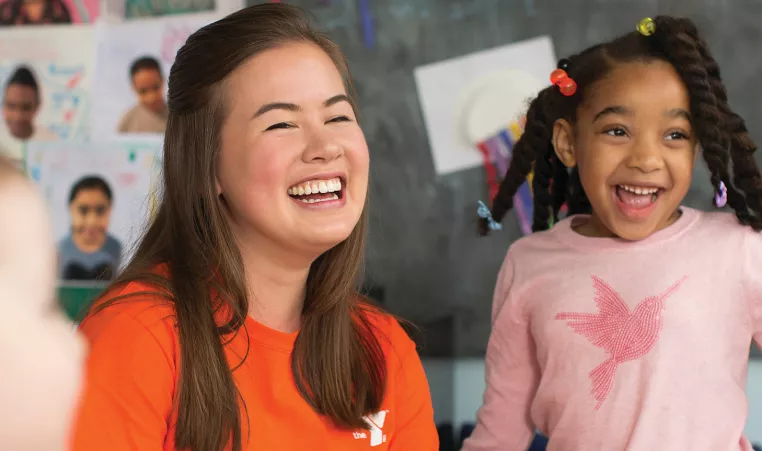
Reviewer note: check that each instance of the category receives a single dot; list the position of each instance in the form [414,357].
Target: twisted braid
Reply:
[681,49]
[536,135]
[746,175]
[543,174]
[560,186]
[578,202]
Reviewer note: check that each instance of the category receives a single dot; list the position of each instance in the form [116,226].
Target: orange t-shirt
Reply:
[132,376]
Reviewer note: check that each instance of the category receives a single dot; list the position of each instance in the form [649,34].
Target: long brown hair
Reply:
[337,361]
[727,146]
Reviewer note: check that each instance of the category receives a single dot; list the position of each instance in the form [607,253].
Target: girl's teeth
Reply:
[639,190]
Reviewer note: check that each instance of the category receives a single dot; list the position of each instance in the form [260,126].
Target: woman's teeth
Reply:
[315,187]
[315,201]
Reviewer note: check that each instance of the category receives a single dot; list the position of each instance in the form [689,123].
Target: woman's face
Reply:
[90,213]
[20,106]
[293,166]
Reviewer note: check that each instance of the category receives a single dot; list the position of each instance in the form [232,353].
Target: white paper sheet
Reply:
[60,58]
[466,98]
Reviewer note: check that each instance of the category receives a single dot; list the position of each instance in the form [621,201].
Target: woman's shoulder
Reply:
[391,336]
[131,313]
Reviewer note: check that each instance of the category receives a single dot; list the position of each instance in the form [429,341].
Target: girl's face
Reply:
[293,166]
[90,213]
[20,105]
[149,87]
[635,148]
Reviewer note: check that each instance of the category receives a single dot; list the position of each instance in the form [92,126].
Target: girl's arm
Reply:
[511,373]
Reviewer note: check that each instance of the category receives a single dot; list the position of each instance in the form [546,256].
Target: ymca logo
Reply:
[376,423]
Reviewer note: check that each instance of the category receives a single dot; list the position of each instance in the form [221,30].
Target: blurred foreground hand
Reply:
[41,357]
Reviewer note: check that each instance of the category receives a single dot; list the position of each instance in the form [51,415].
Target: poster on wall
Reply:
[48,12]
[100,195]
[46,80]
[474,109]
[132,62]
[139,9]
[468,99]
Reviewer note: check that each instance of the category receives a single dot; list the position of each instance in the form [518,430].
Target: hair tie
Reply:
[484,213]
[560,78]
[721,195]
[646,26]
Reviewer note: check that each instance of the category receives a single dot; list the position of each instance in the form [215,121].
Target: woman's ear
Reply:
[563,142]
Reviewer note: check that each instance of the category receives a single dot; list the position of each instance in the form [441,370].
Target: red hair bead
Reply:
[567,86]
[557,75]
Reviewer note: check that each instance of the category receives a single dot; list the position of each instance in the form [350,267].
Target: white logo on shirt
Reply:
[376,423]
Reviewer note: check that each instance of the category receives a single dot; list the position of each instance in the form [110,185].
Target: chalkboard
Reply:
[423,252]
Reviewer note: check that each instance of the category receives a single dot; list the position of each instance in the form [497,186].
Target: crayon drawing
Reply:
[99,199]
[46,83]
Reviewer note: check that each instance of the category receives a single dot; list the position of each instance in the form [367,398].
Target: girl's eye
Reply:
[340,119]
[677,135]
[279,125]
[616,131]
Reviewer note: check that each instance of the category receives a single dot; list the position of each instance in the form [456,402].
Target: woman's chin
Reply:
[325,239]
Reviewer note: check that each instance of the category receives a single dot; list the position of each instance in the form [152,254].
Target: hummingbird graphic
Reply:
[625,335]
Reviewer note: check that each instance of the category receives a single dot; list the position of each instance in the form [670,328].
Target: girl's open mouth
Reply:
[636,202]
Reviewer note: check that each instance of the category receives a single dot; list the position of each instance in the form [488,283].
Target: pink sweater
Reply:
[605,345]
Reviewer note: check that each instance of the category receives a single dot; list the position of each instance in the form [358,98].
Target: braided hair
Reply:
[727,147]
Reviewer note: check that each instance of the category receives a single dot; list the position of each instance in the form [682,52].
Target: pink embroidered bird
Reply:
[624,335]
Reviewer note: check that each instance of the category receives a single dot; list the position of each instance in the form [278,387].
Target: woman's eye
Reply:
[279,125]
[340,119]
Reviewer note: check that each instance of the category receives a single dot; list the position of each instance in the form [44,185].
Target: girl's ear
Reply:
[563,142]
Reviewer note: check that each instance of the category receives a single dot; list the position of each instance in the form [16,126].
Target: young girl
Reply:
[89,252]
[238,325]
[627,325]
[41,371]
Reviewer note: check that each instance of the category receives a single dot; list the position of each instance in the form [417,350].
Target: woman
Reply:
[237,325]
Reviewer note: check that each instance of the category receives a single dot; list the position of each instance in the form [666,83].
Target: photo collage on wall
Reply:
[83,92]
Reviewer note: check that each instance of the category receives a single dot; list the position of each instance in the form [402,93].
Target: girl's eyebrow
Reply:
[614,109]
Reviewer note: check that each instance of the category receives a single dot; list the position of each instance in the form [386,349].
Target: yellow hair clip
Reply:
[646,26]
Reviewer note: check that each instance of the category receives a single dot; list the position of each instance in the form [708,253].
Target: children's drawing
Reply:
[45,85]
[132,63]
[47,12]
[468,98]
[99,196]
[474,107]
